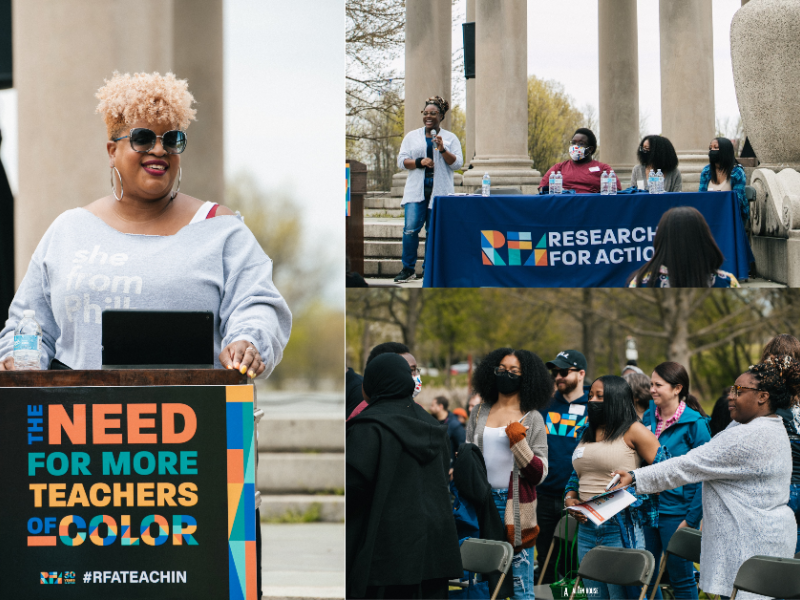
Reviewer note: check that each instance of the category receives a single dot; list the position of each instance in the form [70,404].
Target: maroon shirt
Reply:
[579,177]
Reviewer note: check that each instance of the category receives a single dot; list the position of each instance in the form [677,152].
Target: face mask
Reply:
[713,156]
[506,385]
[417,386]
[644,156]
[597,413]
[577,153]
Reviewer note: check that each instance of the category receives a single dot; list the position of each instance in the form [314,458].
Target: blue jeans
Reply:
[794,504]
[607,534]
[522,564]
[416,215]
[681,571]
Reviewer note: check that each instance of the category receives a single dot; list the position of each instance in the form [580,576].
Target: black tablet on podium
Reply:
[157,339]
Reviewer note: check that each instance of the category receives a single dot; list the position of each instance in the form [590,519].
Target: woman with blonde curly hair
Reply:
[430,161]
[148,246]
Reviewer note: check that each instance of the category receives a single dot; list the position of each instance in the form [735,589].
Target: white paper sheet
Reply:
[604,506]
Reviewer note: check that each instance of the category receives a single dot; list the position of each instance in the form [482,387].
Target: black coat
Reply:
[472,482]
[353,395]
[400,525]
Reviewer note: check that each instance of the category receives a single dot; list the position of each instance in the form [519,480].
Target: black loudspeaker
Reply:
[6,64]
[468,30]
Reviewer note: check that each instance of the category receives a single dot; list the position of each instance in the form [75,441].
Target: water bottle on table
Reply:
[559,183]
[651,182]
[659,182]
[486,185]
[552,182]
[604,183]
[27,343]
[612,183]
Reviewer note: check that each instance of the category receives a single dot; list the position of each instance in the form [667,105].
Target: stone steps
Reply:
[301,466]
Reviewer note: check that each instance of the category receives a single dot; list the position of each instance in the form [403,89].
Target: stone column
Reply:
[428,69]
[469,151]
[687,83]
[501,97]
[62,142]
[619,85]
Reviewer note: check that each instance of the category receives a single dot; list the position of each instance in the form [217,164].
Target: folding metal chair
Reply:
[684,543]
[543,592]
[769,576]
[485,556]
[618,566]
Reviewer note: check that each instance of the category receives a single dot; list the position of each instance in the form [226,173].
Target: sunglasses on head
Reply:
[562,372]
[143,140]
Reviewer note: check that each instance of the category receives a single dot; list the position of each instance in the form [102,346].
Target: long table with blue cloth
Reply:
[567,240]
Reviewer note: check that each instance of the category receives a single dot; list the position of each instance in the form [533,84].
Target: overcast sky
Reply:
[554,53]
[284,111]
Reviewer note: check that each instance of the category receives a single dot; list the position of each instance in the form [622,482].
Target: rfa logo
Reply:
[52,578]
[518,242]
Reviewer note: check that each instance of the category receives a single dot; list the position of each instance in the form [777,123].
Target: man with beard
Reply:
[564,418]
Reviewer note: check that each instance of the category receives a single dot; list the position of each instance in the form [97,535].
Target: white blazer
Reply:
[414,146]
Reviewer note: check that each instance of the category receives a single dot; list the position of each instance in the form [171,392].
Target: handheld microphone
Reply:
[433,137]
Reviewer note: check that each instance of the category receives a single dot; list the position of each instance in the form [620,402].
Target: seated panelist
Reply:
[148,246]
[581,173]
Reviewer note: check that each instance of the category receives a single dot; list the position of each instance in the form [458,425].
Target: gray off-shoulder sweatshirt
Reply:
[83,266]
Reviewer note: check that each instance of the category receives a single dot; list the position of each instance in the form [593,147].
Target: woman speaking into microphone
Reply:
[147,245]
[430,155]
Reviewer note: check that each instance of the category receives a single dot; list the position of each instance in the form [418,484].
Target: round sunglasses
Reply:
[143,140]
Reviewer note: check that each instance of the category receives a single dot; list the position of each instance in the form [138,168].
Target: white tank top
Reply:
[498,457]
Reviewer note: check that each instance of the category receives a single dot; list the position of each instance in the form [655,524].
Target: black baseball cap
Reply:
[568,359]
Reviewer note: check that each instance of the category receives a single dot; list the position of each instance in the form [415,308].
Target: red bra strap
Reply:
[212,212]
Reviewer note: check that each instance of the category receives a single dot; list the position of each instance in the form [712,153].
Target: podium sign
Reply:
[127,492]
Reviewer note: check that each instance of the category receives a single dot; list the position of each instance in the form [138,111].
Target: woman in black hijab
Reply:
[401,535]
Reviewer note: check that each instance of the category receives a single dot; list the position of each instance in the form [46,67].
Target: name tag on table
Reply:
[577,409]
[578,453]
[594,169]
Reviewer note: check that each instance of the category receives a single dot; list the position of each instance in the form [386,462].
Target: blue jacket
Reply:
[689,432]
[456,434]
[564,431]
[738,183]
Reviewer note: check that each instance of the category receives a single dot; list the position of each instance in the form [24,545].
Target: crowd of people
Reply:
[544,440]
[431,155]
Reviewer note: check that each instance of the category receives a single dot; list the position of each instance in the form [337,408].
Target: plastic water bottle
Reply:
[604,183]
[559,183]
[651,182]
[553,182]
[486,185]
[659,182]
[612,183]
[27,343]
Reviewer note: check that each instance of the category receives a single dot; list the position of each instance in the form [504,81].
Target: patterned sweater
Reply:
[529,448]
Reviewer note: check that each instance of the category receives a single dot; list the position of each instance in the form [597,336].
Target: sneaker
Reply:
[405,275]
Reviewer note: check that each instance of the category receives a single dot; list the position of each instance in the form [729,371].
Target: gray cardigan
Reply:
[672,180]
[536,439]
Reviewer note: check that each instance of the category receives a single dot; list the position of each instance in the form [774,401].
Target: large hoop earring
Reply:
[177,189]
[114,187]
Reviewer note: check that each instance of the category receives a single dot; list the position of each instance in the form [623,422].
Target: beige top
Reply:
[595,460]
[725,186]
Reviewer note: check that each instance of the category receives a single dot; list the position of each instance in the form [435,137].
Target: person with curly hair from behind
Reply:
[509,430]
[148,246]
[430,161]
[746,471]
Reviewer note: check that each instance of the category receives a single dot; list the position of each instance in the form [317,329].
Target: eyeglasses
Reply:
[562,372]
[143,140]
[511,374]
[430,114]
[735,389]
[414,371]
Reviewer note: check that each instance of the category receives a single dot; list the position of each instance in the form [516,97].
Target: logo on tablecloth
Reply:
[567,248]
[520,249]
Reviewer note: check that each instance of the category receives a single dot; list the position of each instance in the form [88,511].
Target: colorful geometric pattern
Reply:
[127,540]
[517,241]
[565,425]
[94,535]
[347,188]
[63,530]
[489,241]
[241,493]
[52,577]
[539,256]
[163,530]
